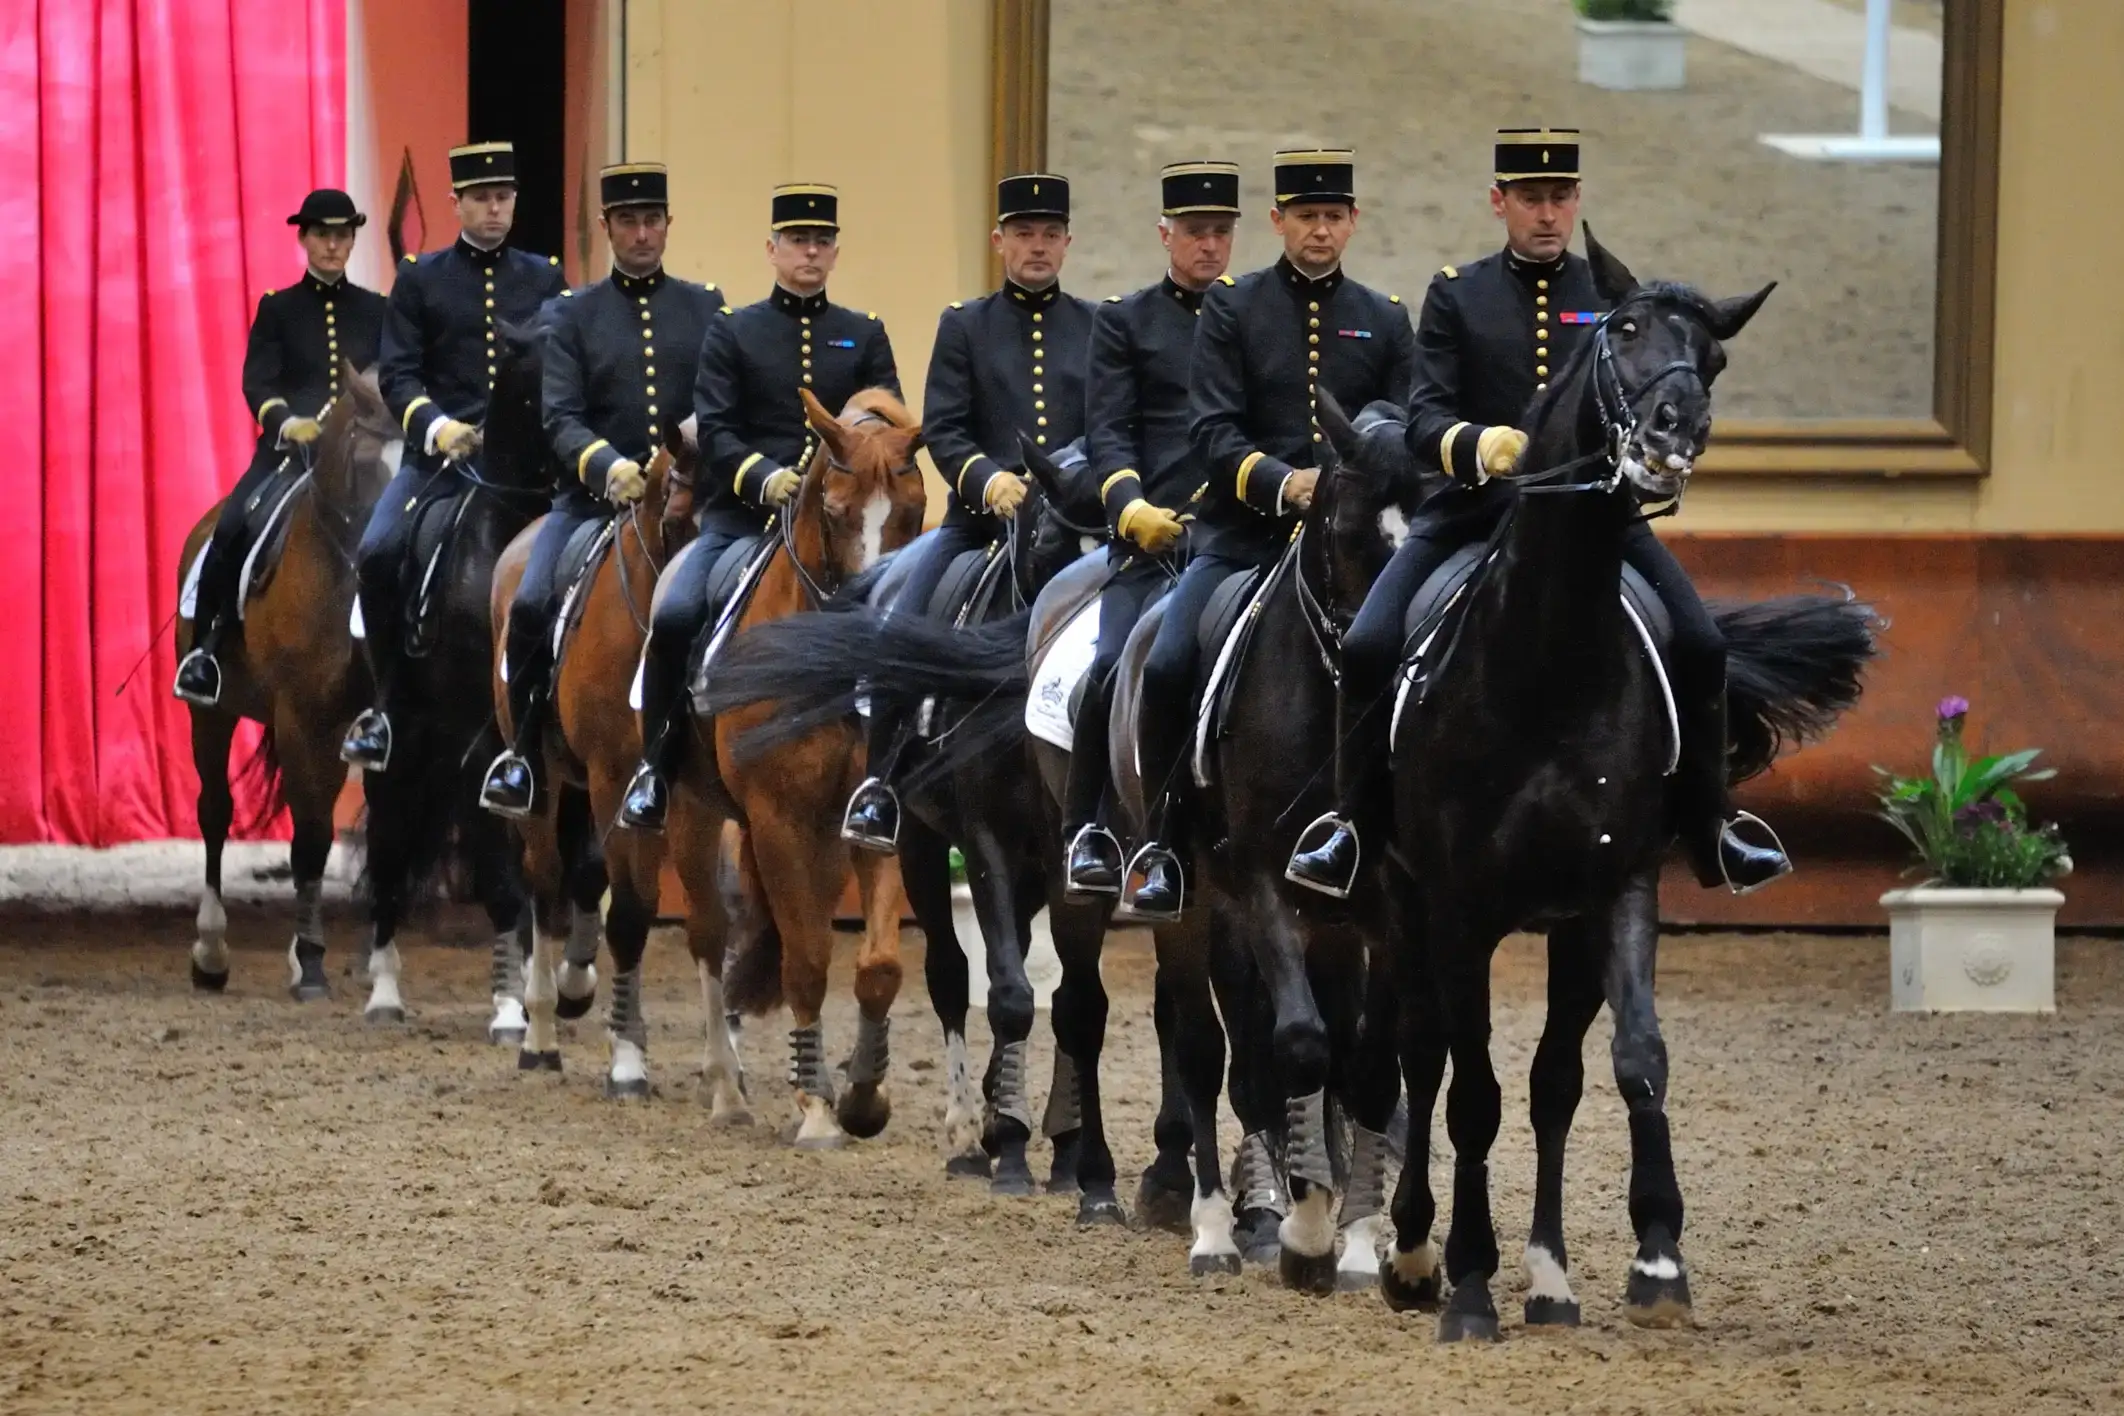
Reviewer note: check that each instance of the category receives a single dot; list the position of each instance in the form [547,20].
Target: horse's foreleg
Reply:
[1409,1274]
[211,732]
[584,874]
[539,1033]
[800,870]
[691,842]
[991,878]
[1080,1011]
[1554,1084]
[1473,1108]
[1183,953]
[1163,1192]
[1303,1056]
[1657,1294]
[1369,1086]
[1259,1196]
[925,874]
[866,1106]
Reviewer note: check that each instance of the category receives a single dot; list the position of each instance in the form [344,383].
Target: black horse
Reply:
[1530,765]
[425,805]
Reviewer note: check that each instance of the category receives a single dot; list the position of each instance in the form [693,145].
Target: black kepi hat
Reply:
[477,164]
[1526,154]
[327,206]
[634,184]
[797,204]
[1032,194]
[1191,188]
[1316,175]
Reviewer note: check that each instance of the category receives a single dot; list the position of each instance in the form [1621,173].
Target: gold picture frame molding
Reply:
[1955,442]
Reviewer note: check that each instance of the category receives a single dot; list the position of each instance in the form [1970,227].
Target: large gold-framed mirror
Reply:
[1872,359]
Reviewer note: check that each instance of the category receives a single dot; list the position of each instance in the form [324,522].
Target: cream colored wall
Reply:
[2058,406]
[892,102]
[889,102]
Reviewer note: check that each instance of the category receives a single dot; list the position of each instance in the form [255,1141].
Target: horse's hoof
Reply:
[1257,1233]
[1469,1314]
[506,1037]
[571,1009]
[1100,1208]
[832,1142]
[1063,1182]
[1552,1312]
[863,1111]
[209,982]
[389,1013]
[1306,1273]
[1014,1184]
[538,1061]
[1665,1311]
[1213,1265]
[633,1089]
[310,992]
[1160,1207]
[1348,1280]
[968,1167]
[1657,1293]
[1405,1296]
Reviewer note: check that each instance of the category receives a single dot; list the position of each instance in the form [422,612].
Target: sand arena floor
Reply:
[237,1204]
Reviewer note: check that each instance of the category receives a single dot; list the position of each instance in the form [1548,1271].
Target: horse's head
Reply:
[668,497]
[1647,372]
[1062,518]
[864,489]
[515,451]
[353,457]
[1368,492]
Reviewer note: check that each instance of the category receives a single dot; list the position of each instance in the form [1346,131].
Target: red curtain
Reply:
[151,154]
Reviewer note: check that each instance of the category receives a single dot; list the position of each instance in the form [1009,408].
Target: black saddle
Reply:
[1434,615]
[437,513]
[264,534]
[727,591]
[1224,638]
[573,573]
[968,588]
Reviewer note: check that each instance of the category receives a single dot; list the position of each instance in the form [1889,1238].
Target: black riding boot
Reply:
[511,787]
[1093,864]
[199,672]
[872,820]
[664,731]
[1166,731]
[1704,807]
[1363,801]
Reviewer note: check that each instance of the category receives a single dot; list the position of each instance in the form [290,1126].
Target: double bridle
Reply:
[785,519]
[1617,406]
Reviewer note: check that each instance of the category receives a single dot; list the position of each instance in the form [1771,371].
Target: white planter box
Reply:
[1043,967]
[1631,54]
[1980,951]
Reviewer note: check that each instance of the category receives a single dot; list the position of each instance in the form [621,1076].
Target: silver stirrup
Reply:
[1090,828]
[513,813]
[1126,912]
[1776,843]
[857,838]
[1328,820]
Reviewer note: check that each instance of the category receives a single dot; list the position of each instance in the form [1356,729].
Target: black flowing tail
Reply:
[813,667]
[1793,666]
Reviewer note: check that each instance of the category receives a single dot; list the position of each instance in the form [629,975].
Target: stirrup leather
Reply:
[1776,844]
[1127,911]
[1320,829]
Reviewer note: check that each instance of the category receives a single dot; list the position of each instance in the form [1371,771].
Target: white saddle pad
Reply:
[188,597]
[1067,660]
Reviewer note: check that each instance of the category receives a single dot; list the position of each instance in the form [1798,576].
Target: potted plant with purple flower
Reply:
[1978,932]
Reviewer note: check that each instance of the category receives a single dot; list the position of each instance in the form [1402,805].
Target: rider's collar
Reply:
[791,303]
[638,284]
[1298,281]
[1191,299]
[1032,299]
[1532,270]
[312,280]
[481,255]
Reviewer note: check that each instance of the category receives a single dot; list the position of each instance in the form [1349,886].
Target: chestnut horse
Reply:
[591,748]
[862,496]
[294,669]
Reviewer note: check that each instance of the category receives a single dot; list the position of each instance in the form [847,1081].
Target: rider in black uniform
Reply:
[755,445]
[437,370]
[290,376]
[1007,362]
[619,357]
[1147,468]
[1489,334]
[1265,344]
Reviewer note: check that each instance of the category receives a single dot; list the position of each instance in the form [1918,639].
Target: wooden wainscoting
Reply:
[2030,629]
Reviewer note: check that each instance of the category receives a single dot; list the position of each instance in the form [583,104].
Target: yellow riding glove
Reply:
[1498,449]
[1006,491]
[781,486]
[1152,527]
[455,439]
[300,431]
[624,482]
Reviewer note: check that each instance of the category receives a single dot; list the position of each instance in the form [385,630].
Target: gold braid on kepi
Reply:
[1529,154]
[1316,175]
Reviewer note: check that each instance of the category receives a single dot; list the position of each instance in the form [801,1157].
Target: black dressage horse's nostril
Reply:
[1666,418]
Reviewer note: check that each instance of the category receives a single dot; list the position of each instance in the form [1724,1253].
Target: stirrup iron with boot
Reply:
[1092,865]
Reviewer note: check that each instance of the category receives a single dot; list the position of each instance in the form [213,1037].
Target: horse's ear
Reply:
[1730,317]
[915,442]
[1610,276]
[1336,424]
[825,425]
[1041,468]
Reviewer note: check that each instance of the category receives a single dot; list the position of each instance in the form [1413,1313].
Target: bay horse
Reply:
[782,867]
[1530,780]
[295,671]
[425,805]
[969,782]
[571,857]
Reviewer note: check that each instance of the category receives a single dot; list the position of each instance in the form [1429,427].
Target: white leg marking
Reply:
[816,1123]
[1416,1265]
[629,1067]
[1661,1268]
[576,982]
[722,1072]
[1310,1226]
[874,513]
[542,1034]
[1546,1277]
[962,1104]
[384,1000]
[1211,1215]
[211,950]
[1361,1239]
[294,966]
[509,1018]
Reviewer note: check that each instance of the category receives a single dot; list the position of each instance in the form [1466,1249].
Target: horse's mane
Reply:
[1657,292]
[882,403]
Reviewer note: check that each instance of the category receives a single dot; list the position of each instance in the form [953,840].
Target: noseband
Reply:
[1617,405]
